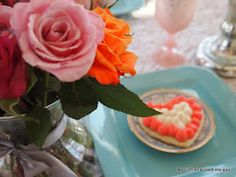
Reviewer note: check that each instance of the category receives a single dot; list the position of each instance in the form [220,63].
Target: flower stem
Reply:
[45,96]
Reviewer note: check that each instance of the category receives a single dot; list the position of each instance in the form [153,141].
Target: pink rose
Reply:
[13,77]
[58,36]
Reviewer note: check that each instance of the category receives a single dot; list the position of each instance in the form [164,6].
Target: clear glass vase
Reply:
[74,148]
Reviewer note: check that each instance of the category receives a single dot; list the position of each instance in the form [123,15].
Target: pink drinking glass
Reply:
[173,16]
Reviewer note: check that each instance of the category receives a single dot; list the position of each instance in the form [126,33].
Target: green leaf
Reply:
[119,98]
[33,79]
[9,106]
[42,86]
[54,84]
[38,130]
[78,99]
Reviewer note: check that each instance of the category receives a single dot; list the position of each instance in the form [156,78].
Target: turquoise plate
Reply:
[122,155]
[126,6]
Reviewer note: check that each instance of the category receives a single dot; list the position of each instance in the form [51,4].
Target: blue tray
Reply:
[126,6]
[122,155]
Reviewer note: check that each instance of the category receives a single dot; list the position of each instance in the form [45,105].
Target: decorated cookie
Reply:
[179,124]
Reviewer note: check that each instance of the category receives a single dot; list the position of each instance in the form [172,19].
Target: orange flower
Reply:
[112,58]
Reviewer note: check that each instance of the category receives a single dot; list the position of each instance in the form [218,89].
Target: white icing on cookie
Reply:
[179,115]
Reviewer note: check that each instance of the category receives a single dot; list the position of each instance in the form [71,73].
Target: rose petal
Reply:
[67,55]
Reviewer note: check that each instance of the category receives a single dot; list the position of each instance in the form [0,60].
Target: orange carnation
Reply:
[112,58]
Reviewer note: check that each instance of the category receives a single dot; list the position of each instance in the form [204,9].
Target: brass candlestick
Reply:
[219,53]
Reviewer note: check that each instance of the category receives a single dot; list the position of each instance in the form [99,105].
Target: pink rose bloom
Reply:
[13,77]
[58,36]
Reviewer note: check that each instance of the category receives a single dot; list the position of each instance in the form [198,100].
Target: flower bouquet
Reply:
[56,57]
